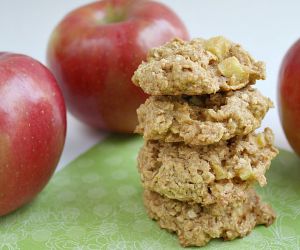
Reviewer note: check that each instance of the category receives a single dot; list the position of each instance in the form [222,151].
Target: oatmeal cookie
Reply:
[196,225]
[207,174]
[197,67]
[202,120]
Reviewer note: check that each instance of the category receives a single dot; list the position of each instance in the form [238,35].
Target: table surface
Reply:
[265,28]
[95,203]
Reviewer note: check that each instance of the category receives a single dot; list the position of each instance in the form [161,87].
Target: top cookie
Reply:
[197,67]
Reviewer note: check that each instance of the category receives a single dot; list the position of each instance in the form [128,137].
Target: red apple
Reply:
[94,51]
[289,96]
[32,129]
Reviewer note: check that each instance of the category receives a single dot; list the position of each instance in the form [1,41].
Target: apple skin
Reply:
[32,129]
[289,96]
[94,51]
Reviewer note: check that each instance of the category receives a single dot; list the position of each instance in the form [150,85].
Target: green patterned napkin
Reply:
[96,203]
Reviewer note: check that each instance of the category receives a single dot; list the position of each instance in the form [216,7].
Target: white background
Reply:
[266,28]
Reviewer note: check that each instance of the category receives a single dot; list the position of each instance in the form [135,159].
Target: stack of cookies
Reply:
[201,156]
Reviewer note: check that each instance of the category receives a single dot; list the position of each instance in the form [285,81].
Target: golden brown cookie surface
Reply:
[197,67]
[196,225]
[202,120]
[207,174]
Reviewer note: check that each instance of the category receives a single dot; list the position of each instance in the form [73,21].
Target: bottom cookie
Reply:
[196,225]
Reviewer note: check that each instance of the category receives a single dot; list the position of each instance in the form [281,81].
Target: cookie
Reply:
[202,120]
[196,225]
[197,67]
[207,174]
